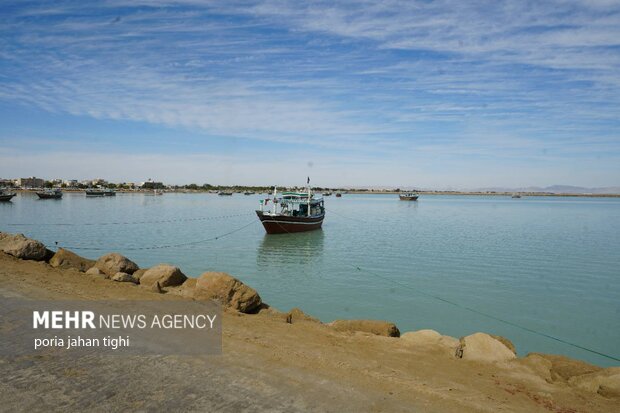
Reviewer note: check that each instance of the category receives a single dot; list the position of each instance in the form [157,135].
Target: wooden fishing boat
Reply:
[225,193]
[338,195]
[516,196]
[6,196]
[409,196]
[292,212]
[50,194]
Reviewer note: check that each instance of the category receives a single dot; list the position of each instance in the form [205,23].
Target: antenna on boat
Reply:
[309,196]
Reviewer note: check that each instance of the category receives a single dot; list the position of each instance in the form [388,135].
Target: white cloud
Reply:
[386,78]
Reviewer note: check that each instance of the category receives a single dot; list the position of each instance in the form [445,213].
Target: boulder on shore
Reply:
[483,347]
[605,382]
[430,338]
[112,263]
[539,365]
[166,275]
[21,247]
[66,259]
[376,327]
[95,271]
[187,288]
[139,273]
[124,277]
[505,342]
[228,290]
[563,368]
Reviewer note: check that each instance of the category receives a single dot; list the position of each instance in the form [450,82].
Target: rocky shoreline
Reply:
[590,384]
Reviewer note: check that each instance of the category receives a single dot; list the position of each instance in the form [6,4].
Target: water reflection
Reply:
[303,248]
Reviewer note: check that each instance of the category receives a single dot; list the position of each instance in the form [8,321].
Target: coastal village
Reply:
[35,183]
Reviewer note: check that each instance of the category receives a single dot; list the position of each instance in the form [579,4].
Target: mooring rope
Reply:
[473,310]
[157,247]
[79,224]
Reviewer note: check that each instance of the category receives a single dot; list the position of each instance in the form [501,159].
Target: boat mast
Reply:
[309,196]
[274,199]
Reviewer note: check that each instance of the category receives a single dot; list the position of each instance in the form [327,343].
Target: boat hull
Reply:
[283,224]
[408,198]
[6,198]
[49,196]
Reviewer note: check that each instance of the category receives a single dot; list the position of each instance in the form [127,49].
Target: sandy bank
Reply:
[275,361]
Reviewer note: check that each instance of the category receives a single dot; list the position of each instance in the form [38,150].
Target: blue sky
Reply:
[435,94]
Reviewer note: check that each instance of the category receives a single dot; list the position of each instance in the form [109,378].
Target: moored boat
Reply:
[225,193]
[6,196]
[409,196]
[338,195]
[100,192]
[516,196]
[292,212]
[50,194]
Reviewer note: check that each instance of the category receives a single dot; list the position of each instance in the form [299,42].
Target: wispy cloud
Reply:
[387,79]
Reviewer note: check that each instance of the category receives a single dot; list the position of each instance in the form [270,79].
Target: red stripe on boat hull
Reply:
[282,224]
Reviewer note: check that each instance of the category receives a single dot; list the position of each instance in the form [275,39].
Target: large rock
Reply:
[124,278]
[605,382]
[505,342]
[377,327]
[21,247]
[187,288]
[539,365]
[110,264]
[563,368]
[138,274]
[95,271]
[166,275]
[67,259]
[483,347]
[228,290]
[430,338]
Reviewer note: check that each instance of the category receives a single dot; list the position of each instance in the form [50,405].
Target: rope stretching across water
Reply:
[156,247]
[501,320]
[79,224]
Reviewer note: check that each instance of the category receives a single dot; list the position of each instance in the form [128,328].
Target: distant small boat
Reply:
[249,193]
[50,194]
[516,196]
[409,196]
[5,196]
[100,192]
[327,194]
[225,193]
[94,192]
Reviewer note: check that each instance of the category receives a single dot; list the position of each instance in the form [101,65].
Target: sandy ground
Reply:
[266,365]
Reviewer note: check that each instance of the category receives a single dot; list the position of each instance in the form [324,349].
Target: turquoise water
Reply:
[547,264]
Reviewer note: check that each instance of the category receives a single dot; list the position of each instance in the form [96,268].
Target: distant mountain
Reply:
[559,189]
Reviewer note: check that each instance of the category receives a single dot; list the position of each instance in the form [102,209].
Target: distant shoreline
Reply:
[368,192]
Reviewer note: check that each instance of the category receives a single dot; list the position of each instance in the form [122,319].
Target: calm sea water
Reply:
[547,264]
